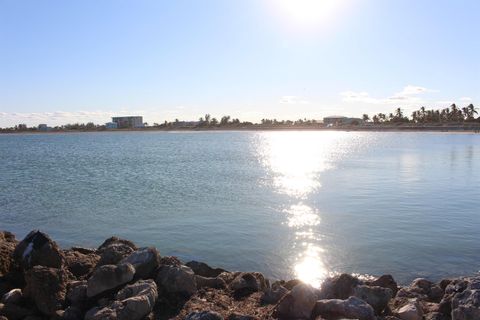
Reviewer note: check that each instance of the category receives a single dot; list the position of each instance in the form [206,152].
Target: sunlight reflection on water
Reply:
[296,160]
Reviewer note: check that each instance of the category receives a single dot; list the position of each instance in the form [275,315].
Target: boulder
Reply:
[144,260]
[176,280]
[108,277]
[113,250]
[297,304]
[77,293]
[411,311]
[351,308]
[47,287]
[13,296]
[385,281]
[246,283]
[204,282]
[7,247]
[14,312]
[204,270]
[377,297]
[134,302]
[204,315]
[72,313]
[80,264]
[339,287]
[273,294]
[37,249]
[466,305]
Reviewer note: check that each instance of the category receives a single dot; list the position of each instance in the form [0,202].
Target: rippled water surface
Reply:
[289,204]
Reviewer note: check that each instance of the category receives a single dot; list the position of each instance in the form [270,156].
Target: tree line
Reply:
[452,114]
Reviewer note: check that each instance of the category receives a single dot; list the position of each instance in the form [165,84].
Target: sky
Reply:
[77,61]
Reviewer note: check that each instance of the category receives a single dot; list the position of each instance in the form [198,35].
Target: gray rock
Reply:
[204,270]
[466,305]
[204,282]
[297,304]
[113,250]
[80,264]
[144,260]
[339,287]
[134,302]
[14,312]
[237,316]
[411,311]
[14,296]
[72,313]
[204,315]
[108,277]
[273,294]
[377,297]
[385,281]
[47,287]
[77,292]
[177,280]
[37,249]
[352,308]
[246,283]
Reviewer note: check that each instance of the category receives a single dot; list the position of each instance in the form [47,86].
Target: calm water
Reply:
[288,204]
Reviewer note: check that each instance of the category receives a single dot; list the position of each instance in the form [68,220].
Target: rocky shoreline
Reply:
[118,280]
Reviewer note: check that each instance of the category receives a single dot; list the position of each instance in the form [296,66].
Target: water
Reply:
[289,204]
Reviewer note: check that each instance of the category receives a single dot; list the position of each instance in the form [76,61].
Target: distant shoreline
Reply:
[374,128]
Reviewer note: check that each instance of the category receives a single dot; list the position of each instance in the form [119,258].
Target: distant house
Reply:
[44,127]
[341,120]
[111,125]
[128,122]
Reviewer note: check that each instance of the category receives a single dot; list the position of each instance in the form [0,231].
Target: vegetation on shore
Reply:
[452,116]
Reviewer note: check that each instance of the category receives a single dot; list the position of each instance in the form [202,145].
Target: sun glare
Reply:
[308,13]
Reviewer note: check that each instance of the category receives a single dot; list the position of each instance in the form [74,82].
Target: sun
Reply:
[308,13]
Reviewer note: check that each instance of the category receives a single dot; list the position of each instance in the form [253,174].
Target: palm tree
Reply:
[365,117]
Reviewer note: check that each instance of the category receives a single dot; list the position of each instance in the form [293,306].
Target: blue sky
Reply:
[69,61]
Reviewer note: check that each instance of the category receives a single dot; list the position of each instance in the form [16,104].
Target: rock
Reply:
[204,315]
[177,280]
[204,282]
[134,302]
[14,296]
[113,250]
[108,277]
[7,247]
[377,297]
[385,281]
[80,264]
[273,294]
[338,287]
[204,270]
[411,311]
[297,304]
[37,249]
[72,313]
[144,260]
[436,316]
[237,316]
[170,261]
[77,293]
[466,305]
[14,312]
[352,308]
[47,288]
[246,283]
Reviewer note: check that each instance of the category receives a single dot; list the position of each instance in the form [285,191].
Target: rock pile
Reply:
[118,280]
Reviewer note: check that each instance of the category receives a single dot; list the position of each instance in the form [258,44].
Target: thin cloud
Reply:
[466,99]
[407,96]
[293,100]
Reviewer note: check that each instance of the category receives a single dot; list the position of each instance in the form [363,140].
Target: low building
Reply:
[341,120]
[128,122]
[111,125]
